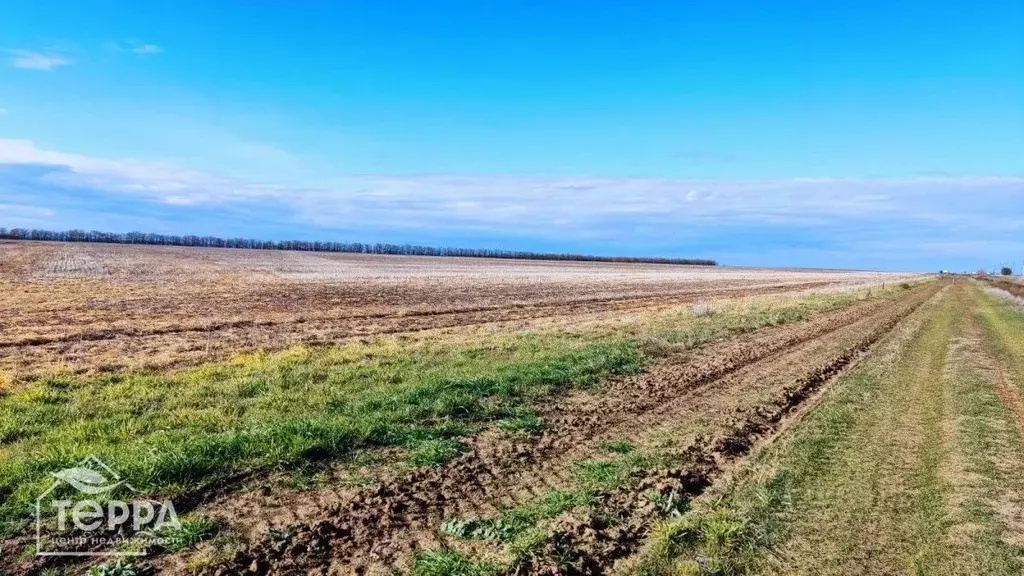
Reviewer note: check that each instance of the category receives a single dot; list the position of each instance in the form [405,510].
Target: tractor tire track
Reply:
[592,545]
[739,380]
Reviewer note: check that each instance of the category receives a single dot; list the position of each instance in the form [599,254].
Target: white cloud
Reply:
[908,211]
[19,211]
[156,181]
[147,49]
[135,46]
[32,60]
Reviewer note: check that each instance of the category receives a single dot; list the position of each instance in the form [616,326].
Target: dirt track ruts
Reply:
[724,394]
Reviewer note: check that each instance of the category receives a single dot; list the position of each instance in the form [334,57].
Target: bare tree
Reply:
[322,246]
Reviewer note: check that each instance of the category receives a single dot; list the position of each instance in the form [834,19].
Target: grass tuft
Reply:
[193,530]
[513,523]
[618,447]
[601,474]
[434,452]
[450,563]
[730,536]
[521,423]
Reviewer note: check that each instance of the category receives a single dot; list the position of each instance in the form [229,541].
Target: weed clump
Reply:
[450,563]
[434,452]
[730,536]
[514,523]
[522,423]
[618,447]
[192,530]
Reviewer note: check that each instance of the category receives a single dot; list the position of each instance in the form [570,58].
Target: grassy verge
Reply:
[1004,325]
[842,471]
[911,465]
[171,433]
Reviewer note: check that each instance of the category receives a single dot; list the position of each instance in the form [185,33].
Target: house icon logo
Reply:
[90,510]
[91,476]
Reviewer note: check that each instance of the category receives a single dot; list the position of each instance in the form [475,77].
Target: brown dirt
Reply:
[1012,286]
[1015,288]
[107,346]
[716,402]
[88,308]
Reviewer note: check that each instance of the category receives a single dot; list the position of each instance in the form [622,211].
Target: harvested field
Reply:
[82,307]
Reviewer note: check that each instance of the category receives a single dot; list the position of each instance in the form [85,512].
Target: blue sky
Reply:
[860,134]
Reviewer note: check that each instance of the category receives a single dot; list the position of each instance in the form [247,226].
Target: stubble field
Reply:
[84,307]
[348,414]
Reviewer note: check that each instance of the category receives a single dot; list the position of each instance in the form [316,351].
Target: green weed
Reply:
[668,504]
[434,452]
[450,563]
[601,474]
[521,423]
[515,522]
[618,447]
[193,530]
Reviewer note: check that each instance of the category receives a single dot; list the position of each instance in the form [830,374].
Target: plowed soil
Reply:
[88,308]
[1011,286]
[713,404]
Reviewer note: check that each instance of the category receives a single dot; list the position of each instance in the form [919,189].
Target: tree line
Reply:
[318,246]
